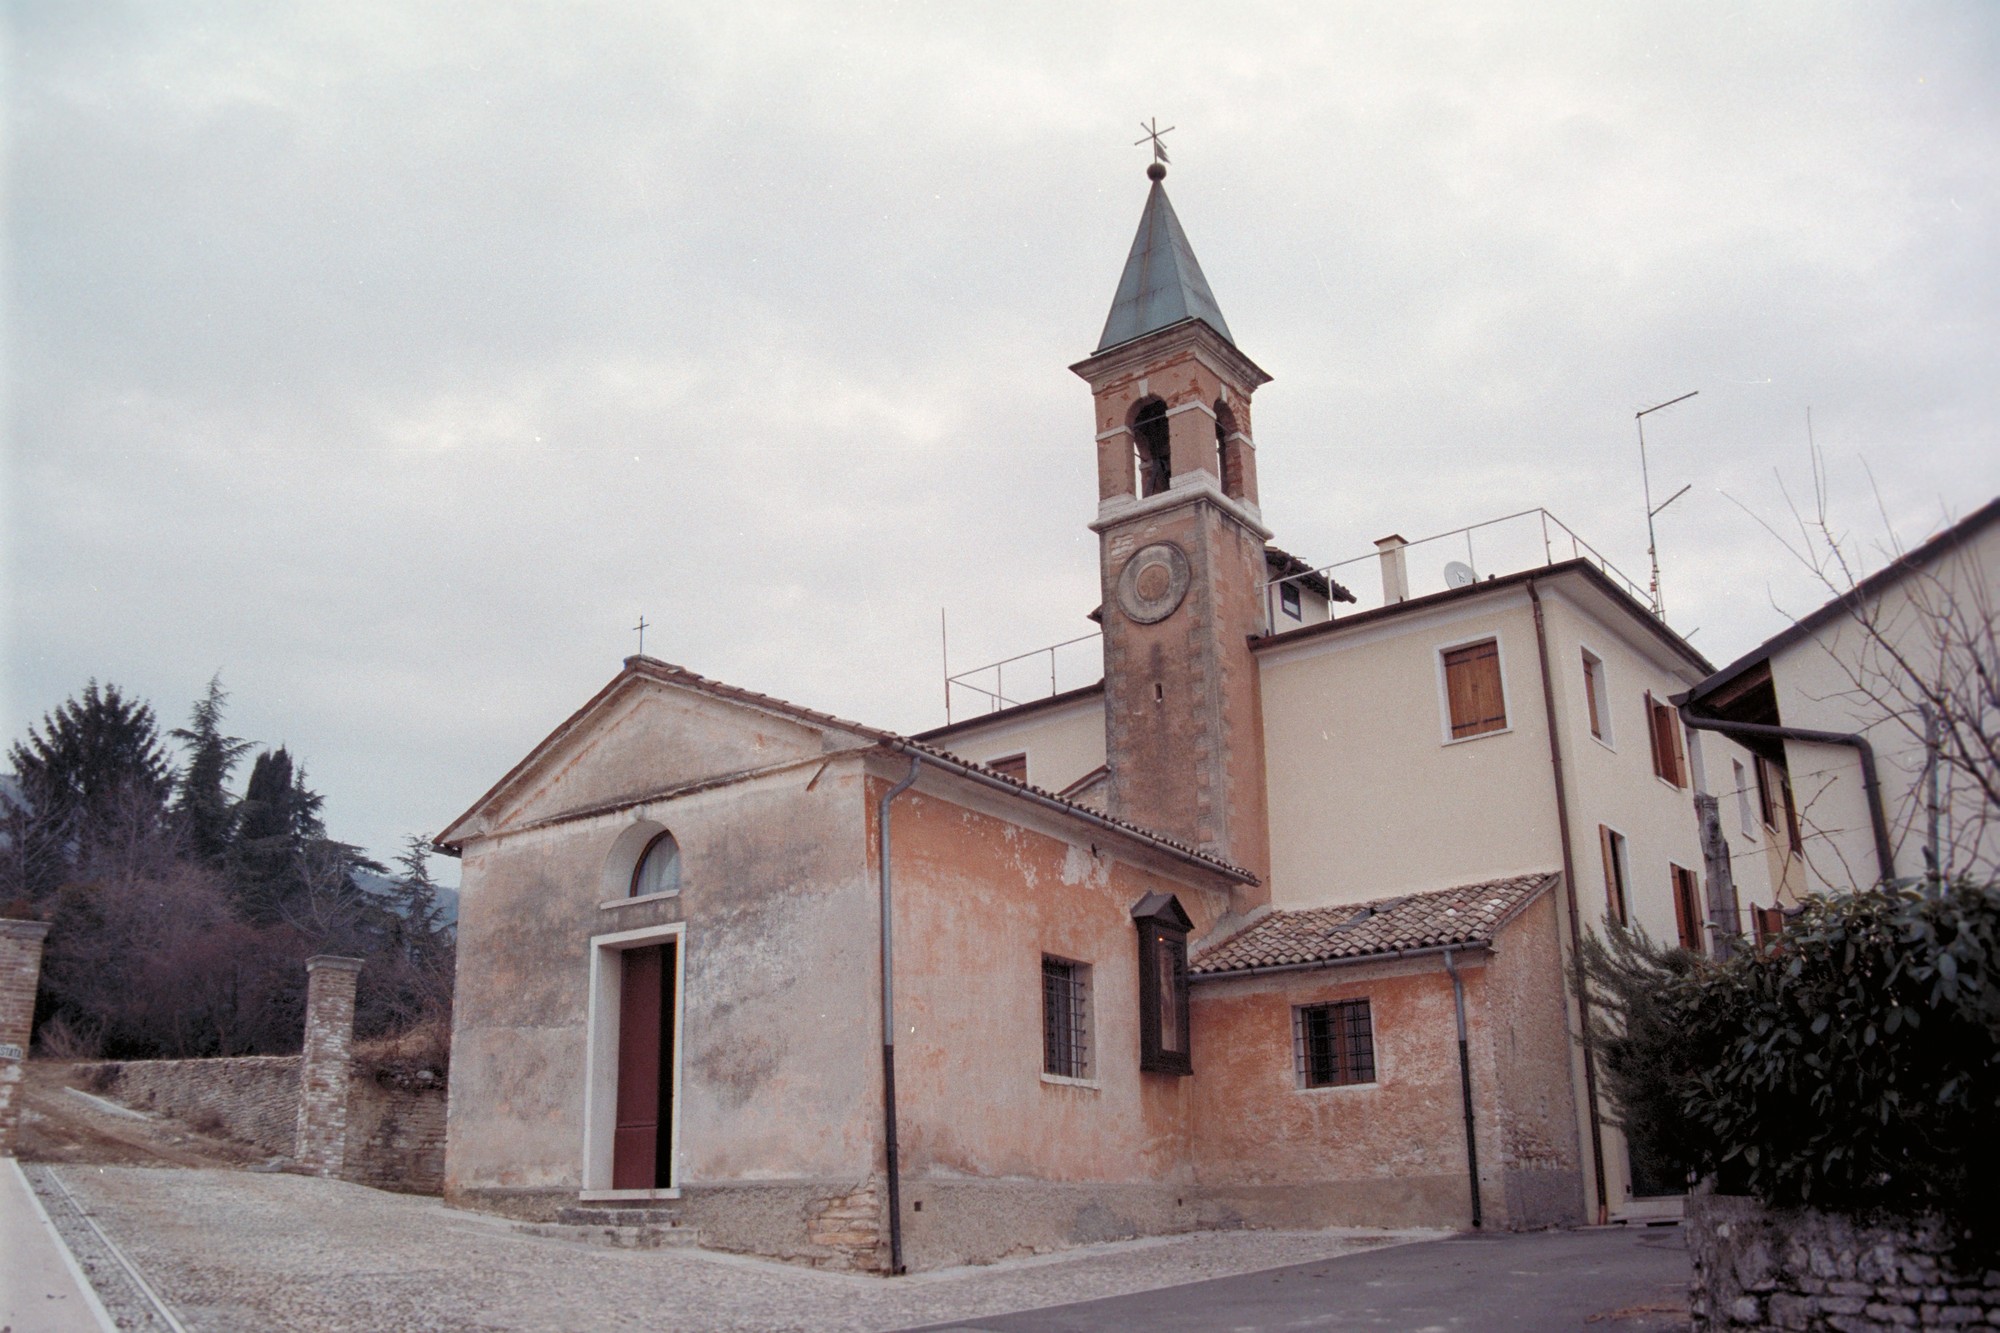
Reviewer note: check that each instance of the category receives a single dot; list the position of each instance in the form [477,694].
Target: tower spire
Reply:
[1162,283]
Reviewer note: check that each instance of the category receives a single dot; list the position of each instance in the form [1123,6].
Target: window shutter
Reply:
[1653,733]
[1472,689]
[1614,897]
[1590,695]
[1687,908]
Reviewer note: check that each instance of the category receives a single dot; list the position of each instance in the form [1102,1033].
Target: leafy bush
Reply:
[1851,1063]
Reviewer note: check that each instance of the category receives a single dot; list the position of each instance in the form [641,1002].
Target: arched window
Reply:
[1149,436]
[659,868]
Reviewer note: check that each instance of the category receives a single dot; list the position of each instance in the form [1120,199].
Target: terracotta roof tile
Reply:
[1468,914]
[652,666]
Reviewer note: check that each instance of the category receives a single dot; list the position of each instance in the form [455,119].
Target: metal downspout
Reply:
[1465,1085]
[889,1024]
[1885,859]
[1575,916]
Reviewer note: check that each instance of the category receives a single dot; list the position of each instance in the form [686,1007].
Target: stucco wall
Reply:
[1392,1152]
[1826,680]
[1001,1156]
[1062,742]
[1534,1105]
[1611,779]
[779,952]
[1364,778]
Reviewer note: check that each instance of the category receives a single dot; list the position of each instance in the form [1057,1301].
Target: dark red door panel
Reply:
[634,1147]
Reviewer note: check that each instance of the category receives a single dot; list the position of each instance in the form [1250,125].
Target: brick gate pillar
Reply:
[20,974]
[323,1063]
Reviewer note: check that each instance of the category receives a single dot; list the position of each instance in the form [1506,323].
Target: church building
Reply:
[1267,927]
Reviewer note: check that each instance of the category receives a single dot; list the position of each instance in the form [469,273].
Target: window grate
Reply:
[1333,1044]
[1065,1018]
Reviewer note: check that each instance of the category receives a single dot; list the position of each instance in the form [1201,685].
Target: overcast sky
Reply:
[393,359]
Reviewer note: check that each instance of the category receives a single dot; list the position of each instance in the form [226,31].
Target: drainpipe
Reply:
[889,1025]
[1575,916]
[1885,859]
[1465,1085]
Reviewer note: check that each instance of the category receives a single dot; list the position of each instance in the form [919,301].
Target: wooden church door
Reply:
[642,1141]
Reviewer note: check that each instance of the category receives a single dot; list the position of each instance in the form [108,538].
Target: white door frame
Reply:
[600,1063]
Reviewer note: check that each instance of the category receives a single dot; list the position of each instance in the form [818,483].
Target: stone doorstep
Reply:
[625,1236]
[614,1215]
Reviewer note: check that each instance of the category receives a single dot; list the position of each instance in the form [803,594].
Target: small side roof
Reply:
[1162,284]
[1469,914]
[1942,544]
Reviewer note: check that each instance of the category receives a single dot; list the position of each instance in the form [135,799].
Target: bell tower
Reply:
[1181,551]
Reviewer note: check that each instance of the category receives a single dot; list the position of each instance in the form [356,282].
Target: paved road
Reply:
[230,1250]
[1605,1281]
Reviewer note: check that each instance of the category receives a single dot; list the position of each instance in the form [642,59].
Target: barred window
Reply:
[1065,1018]
[1333,1044]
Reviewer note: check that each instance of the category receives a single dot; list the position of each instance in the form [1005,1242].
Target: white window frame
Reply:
[1301,1059]
[1747,817]
[1609,740]
[600,1061]
[1084,980]
[1621,854]
[1444,689]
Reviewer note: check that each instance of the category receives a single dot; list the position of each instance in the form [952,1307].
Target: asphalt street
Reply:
[1608,1280]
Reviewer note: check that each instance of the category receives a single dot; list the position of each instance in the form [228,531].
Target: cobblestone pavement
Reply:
[232,1250]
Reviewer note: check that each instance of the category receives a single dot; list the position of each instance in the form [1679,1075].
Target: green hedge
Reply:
[1851,1063]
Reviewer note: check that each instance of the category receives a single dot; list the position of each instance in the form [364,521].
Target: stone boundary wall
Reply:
[395,1134]
[253,1099]
[1798,1268]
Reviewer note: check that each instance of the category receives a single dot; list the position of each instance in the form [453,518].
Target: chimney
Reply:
[1395,574]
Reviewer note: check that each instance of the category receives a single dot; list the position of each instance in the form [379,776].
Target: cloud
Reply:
[395,360]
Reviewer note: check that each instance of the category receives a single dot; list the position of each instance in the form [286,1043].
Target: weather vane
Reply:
[1160,158]
[641,627]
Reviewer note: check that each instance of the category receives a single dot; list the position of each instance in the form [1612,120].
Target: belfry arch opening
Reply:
[1153,452]
[1228,452]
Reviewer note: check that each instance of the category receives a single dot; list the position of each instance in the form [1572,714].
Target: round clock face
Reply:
[1153,583]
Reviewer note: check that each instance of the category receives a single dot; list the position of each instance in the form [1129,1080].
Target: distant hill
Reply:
[381,886]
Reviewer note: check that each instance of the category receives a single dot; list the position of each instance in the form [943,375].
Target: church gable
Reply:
[642,736]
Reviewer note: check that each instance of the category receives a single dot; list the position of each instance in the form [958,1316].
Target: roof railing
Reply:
[1511,544]
[976,680]
[1508,544]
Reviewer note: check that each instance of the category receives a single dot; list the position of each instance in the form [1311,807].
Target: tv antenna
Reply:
[1652,510]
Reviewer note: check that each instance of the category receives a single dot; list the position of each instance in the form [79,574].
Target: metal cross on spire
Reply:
[641,627]
[1153,133]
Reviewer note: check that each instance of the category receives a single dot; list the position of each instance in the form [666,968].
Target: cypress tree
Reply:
[202,804]
[277,820]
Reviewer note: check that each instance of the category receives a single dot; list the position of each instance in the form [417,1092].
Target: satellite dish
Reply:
[1459,574]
